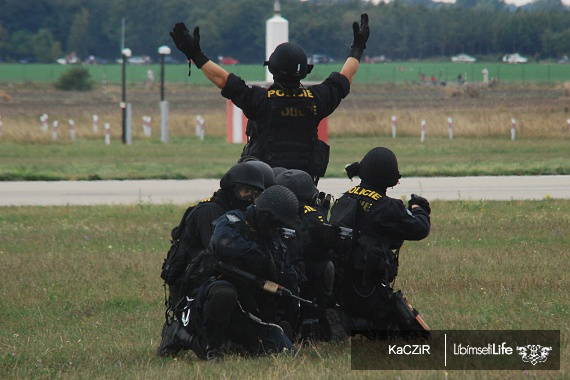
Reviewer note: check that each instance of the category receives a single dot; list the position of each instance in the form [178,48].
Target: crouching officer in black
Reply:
[235,315]
[238,188]
[311,251]
[284,118]
[370,265]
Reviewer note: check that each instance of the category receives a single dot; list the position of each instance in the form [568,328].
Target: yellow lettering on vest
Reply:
[354,190]
[270,92]
[308,209]
[376,196]
[279,93]
[365,192]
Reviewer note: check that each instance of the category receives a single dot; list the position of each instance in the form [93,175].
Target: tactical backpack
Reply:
[176,259]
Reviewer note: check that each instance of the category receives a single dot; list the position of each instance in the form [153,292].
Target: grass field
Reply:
[81,295]
[188,158]
[394,72]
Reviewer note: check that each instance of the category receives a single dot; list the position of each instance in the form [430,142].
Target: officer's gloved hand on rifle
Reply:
[189,45]
[361,34]
[326,235]
[420,201]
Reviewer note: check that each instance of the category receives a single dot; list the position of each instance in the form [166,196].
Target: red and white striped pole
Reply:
[71,129]
[44,121]
[393,127]
[450,126]
[107,134]
[146,126]
[54,130]
[513,129]
[95,123]
[423,138]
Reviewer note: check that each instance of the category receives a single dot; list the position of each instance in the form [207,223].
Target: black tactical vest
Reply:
[288,137]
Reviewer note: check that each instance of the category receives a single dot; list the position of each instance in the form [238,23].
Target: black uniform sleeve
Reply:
[329,93]
[391,217]
[250,99]
[200,223]
[229,245]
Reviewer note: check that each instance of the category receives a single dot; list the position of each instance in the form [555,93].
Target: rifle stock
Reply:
[266,285]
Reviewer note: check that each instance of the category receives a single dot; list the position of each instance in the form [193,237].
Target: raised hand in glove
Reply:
[420,201]
[361,34]
[189,45]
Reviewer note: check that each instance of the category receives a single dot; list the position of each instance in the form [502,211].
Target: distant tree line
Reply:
[44,30]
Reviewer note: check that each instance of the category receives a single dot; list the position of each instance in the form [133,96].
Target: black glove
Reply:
[189,45]
[420,201]
[361,34]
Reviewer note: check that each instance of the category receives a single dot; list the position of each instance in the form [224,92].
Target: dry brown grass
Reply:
[540,111]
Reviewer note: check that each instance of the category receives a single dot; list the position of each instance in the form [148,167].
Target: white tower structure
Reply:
[276,33]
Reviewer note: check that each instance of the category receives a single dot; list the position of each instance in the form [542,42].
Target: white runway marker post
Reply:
[513,129]
[44,121]
[1,126]
[423,138]
[95,123]
[200,127]
[393,127]
[568,122]
[450,126]
[54,130]
[147,131]
[107,134]
[71,129]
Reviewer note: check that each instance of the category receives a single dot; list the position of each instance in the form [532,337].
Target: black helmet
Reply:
[268,175]
[280,202]
[300,183]
[288,63]
[278,170]
[243,174]
[379,167]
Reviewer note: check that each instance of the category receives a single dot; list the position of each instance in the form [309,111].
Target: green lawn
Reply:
[186,158]
[81,296]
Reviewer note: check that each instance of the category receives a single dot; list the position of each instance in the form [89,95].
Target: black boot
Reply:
[331,327]
[174,339]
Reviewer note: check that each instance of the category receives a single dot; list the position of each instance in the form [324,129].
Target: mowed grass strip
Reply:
[188,158]
[81,295]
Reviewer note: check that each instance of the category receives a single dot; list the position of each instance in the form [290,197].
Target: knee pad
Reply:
[220,302]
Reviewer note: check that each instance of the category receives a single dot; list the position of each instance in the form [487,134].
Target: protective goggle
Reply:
[246,193]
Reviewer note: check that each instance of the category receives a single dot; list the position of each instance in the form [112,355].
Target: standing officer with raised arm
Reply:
[284,118]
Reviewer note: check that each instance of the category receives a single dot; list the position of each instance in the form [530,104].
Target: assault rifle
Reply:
[268,286]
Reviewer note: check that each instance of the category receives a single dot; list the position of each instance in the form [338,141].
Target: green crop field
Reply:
[81,296]
[393,72]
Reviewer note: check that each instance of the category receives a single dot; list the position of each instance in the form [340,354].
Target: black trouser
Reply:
[217,322]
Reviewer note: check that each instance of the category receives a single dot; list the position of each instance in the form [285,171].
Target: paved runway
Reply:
[186,191]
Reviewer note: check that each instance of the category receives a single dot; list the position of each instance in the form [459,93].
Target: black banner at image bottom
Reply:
[460,350]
